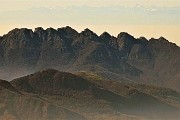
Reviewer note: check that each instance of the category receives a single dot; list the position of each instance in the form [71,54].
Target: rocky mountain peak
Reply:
[18,38]
[15,30]
[51,30]
[106,37]
[21,31]
[163,40]
[125,42]
[38,29]
[125,36]
[67,29]
[88,33]
[85,37]
[142,38]
[68,32]
[25,30]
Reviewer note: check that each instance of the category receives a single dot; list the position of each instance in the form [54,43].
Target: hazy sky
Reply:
[149,18]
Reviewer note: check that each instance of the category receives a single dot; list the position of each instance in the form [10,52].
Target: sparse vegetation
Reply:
[59,95]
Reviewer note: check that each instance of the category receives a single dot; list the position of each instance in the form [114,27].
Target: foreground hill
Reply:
[95,98]
[153,62]
[17,106]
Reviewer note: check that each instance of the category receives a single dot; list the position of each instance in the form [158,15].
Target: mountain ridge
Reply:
[155,61]
[86,29]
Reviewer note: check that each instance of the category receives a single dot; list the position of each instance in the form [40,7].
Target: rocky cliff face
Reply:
[20,47]
[23,51]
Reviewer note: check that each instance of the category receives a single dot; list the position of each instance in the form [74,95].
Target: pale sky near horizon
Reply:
[149,18]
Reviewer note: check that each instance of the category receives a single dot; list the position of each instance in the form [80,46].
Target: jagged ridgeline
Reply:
[122,58]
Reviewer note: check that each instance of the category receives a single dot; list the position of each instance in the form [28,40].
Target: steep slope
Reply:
[159,61]
[94,98]
[16,106]
[20,47]
[56,50]
[167,59]
[4,85]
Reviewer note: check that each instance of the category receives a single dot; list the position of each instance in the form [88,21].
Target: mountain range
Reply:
[61,74]
[123,58]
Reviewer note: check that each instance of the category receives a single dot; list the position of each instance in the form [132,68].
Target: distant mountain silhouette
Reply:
[123,58]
